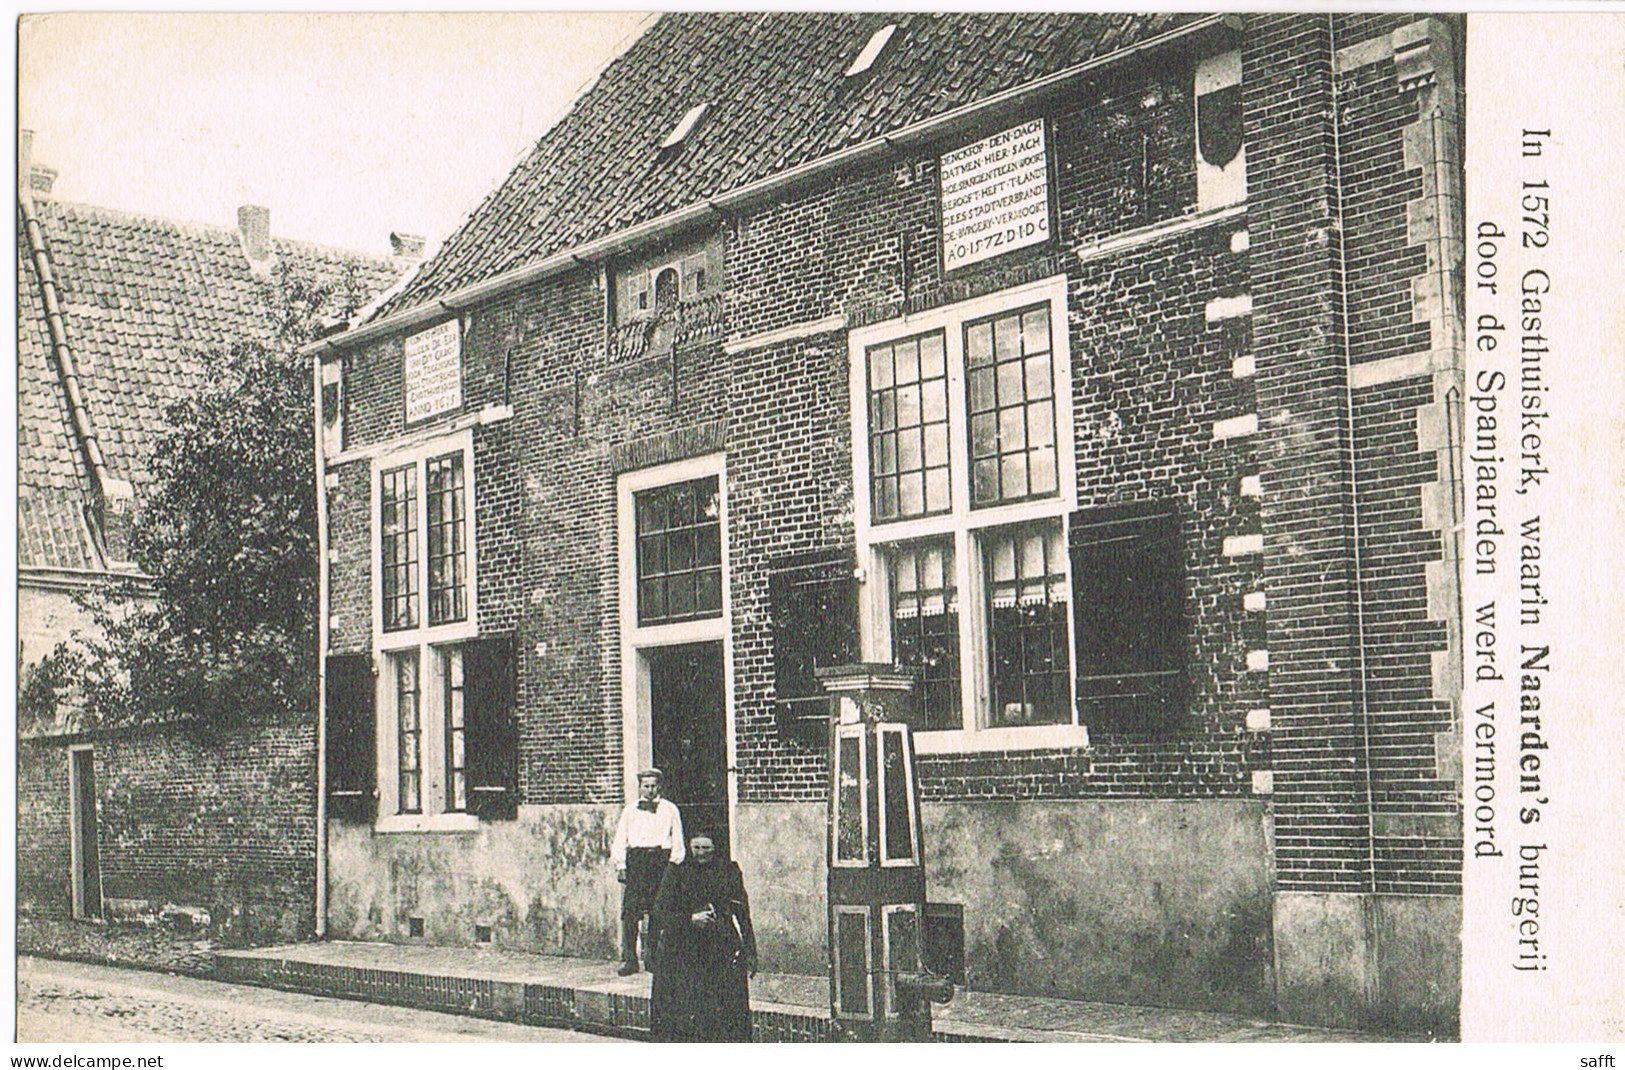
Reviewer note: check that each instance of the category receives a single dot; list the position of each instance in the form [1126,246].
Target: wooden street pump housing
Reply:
[880,988]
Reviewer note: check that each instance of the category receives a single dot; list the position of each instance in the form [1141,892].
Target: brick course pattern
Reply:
[1354,708]
[1322,819]
[223,819]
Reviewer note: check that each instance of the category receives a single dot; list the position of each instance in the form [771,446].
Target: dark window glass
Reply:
[679,556]
[925,627]
[908,428]
[1010,397]
[398,546]
[1218,125]
[666,290]
[448,554]
[410,739]
[849,838]
[894,807]
[451,676]
[1028,606]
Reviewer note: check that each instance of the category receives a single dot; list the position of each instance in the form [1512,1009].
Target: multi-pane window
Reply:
[1029,606]
[425,542]
[908,427]
[964,452]
[429,757]
[409,737]
[452,715]
[1010,394]
[398,546]
[925,626]
[679,552]
[448,556]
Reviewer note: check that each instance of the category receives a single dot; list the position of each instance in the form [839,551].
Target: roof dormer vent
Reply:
[872,50]
[685,125]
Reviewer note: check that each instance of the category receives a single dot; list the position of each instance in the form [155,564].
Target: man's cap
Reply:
[652,772]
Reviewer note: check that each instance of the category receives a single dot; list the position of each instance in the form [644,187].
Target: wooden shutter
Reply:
[1129,597]
[815,625]
[491,727]
[352,734]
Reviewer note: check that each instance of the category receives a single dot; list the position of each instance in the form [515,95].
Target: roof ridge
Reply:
[102,213]
[83,428]
[194,228]
[383,259]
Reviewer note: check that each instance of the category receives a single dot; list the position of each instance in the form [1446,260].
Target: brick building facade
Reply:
[727,381]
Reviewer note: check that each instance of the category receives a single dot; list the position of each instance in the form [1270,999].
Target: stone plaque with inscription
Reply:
[433,370]
[995,195]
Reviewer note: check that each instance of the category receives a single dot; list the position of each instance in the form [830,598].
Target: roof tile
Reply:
[143,299]
[778,99]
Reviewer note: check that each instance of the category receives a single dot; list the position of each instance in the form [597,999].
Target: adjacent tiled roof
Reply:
[51,480]
[142,299]
[778,99]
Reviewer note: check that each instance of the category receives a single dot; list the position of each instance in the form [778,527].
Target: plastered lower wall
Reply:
[1157,902]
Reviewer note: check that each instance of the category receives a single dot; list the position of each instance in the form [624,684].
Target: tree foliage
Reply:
[225,540]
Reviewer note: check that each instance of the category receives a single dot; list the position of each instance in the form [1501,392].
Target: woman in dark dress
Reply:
[707,950]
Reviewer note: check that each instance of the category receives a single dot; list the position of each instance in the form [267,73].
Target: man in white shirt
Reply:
[649,836]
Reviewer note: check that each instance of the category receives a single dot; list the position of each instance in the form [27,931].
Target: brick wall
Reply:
[1388,217]
[1356,702]
[224,819]
[790,490]
[44,832]
[1322,829]
[1152,376]
[1149,377]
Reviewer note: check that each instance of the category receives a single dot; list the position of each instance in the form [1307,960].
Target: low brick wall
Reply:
[222,819]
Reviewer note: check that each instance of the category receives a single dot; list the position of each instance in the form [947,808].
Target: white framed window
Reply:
[423,562]
[964,476]
[679,551]
[422,747]
[423,572]
[672,560]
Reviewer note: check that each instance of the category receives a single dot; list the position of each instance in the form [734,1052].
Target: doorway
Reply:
[86,861]
[687,733]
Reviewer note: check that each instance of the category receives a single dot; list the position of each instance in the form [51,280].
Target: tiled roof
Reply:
[778,99]
[142,299]
[51,482]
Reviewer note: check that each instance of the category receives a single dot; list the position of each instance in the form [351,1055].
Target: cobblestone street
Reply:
[61,1002]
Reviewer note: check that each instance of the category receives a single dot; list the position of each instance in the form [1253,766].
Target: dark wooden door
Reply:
[86,860]
[688,733]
